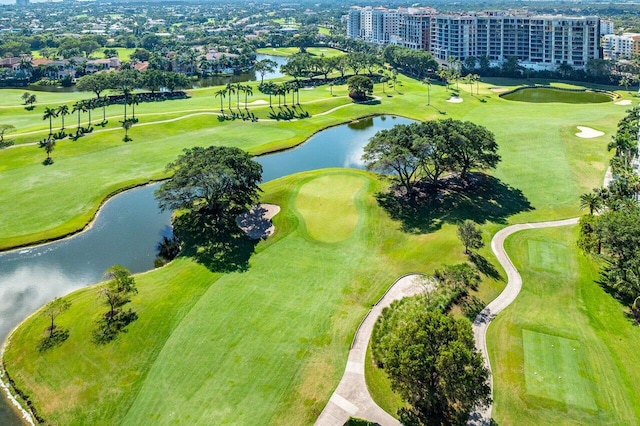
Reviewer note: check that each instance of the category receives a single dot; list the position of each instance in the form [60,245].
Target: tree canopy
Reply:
[431,361]
[425,151]
[213,181]
[360,87]
[470,236]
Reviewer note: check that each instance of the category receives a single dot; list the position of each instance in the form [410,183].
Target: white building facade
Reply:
[538,41]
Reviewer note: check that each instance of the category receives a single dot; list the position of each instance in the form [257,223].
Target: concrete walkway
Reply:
[351,397]
[508,295]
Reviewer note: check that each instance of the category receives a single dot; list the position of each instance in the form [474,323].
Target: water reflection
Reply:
[125,232]
[340,146]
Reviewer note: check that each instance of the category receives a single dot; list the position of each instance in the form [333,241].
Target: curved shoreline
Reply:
[87,225]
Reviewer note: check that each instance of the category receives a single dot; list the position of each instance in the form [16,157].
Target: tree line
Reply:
[152,80]
[611,229]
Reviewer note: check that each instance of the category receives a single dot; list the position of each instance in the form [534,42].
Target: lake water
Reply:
[129,226]
[216,80]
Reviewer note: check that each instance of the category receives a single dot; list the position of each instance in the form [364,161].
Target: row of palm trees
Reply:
[87,106]
[282,90]
[236,89]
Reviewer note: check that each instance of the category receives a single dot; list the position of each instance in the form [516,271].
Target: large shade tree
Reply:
[213,182]
[425,151]
[432,363]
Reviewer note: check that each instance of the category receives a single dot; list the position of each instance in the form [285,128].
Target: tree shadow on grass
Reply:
[54,338]
[486,199]
[484,266]
[220,246]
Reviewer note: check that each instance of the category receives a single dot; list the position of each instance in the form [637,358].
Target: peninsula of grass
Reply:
[541,155]
[565,352]
[264,346]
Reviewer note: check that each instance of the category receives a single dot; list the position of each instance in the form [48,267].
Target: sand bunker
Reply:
[588,133]
[256,223]
[258,102]
[623,102]
[499,89]
[454,100]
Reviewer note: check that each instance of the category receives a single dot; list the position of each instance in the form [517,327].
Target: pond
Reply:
[548,95]
[129,226]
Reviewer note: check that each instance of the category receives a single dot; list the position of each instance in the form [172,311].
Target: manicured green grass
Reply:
[124,53]
[379,386]
[555,368]
[265,346]
[542,157]
[565,351]
[305,291]
[288,51]
[319,195]
[546,95]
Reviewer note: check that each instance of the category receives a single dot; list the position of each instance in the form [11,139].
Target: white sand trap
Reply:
[455,100]
[258,102]
[623,102]
[588,133]
[256,223]
[499,89]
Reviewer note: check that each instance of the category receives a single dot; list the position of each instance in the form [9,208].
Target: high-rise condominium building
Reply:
[621,46]
[538,41]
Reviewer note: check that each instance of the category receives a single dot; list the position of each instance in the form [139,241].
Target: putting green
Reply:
[548,95]
[554,368]
[335,193]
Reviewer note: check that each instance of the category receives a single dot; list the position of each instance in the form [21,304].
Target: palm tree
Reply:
[284,89]
[590,200]
[278,90]
[88,106]
[222,93]
[134,101]
[77,107]
[248,91]
[476,78]
[239,88]
[127,124]
[50,114]
[230,90]
[268,89]
[126,91]
[48,145]
[427,81]
[62,111]
[204,65]
[444,75]
[103,104]
[626,82]
[296,91]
